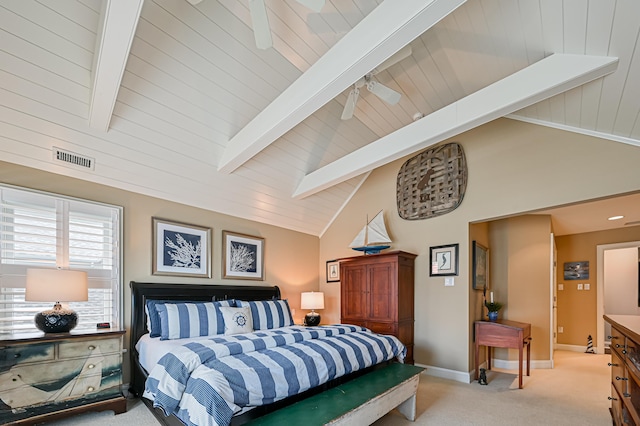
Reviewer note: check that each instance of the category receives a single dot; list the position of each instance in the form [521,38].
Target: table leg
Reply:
[528,357]
[489,357]
[477,359]
[520,366]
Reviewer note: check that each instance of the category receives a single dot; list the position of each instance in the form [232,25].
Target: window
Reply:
[48,231]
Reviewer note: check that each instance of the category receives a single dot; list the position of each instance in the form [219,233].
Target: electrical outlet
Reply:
[449,281]
[560,329]
[587,286]
[580,286]
[560,287]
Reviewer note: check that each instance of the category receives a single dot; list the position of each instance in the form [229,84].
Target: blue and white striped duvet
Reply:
[207,382]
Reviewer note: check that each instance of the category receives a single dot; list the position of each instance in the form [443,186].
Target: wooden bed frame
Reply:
[141,292]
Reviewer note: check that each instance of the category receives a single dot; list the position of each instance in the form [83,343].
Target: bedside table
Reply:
[50,376]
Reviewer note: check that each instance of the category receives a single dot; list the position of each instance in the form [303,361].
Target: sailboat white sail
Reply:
[373,237]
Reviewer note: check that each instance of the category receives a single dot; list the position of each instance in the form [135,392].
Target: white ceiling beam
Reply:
[119,19]
[387,29]
[544,79]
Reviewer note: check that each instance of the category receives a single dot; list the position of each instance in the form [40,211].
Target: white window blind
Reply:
[47,230]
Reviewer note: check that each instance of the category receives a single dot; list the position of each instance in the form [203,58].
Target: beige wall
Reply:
[521,274]
[514,167]
[576,309]
[291,258]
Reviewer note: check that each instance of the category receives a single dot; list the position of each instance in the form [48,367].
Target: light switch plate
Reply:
[587,286]
[580,286]
[449,282]
[560,286]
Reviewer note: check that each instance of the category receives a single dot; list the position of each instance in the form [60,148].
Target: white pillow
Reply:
[237,320]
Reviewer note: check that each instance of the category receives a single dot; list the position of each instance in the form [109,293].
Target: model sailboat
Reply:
[373,237]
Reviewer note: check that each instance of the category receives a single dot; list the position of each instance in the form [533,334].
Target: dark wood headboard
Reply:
[141,292]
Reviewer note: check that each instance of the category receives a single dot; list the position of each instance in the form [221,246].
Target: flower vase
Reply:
[493,316]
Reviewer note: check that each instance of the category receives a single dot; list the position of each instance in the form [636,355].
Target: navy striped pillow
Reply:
[190,319]
[268,314]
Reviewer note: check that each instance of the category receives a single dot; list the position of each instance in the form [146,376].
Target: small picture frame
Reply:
[576,270]
[180,249]
[480,266]
[243,256]
[443,260]
[333,271]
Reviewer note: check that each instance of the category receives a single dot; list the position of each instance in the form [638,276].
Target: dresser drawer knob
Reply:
[612,398]
[91,366]
[17,355]
[618,345]
[90,389]
[612,365]
[91,347]
[621,378]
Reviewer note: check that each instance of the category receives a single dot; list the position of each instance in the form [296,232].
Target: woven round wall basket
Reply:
[432,183]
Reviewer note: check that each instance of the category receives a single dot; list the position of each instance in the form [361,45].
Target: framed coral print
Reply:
[333,271]
[480,272]
[243,256]
[181,249]
[443,260]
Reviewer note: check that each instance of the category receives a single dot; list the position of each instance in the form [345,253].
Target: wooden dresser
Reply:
[625,369]
[377,292]
[49,376]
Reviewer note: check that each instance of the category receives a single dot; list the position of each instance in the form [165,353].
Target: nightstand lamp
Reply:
[47,285]
[312,300]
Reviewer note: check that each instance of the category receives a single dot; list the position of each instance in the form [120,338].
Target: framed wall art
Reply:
[480,266]
[333,271]
[576,270]
[181,249]
[243,256]
[443,260]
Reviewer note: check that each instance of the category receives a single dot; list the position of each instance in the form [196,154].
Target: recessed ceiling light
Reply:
[615,217]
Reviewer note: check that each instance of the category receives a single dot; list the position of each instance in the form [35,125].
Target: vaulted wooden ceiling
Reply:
[174,100]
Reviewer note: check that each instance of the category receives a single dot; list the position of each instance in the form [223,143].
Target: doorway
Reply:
[606,302]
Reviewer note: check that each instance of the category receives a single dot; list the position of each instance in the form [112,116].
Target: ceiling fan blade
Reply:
[260,23]
[388,95]
[350,105]
[401,54]
[315,5]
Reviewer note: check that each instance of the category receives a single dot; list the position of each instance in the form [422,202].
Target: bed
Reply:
[226,376]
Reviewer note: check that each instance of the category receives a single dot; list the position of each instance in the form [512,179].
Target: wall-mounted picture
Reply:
[333,271]
[243,256]
[443,260]
[576,270]
[181,249]
[480,268]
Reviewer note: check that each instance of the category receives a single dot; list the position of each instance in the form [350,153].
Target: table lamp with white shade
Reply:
[312,300]
[56,285]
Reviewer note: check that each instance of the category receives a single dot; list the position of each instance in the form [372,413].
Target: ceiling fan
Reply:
[385,93]
[258,11]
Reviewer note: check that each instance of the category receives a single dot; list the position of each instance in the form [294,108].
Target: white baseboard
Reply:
[468,377]
[458,376]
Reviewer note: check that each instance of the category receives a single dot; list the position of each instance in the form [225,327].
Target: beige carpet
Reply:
[573,393]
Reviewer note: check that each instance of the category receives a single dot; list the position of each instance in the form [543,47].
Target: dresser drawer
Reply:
[619,377]
[617,342]
[82,349]
[20,354]
[382,327]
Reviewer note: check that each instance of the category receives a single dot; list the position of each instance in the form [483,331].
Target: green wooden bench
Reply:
[360,401]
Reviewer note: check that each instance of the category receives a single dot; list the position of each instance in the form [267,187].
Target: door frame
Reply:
[601,248]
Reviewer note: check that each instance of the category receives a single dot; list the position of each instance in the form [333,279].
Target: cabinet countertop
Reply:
[40,336]
[629,324]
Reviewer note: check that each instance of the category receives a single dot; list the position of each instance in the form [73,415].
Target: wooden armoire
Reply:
[377,292]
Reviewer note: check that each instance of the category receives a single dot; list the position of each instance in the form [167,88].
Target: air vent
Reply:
[73,158]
